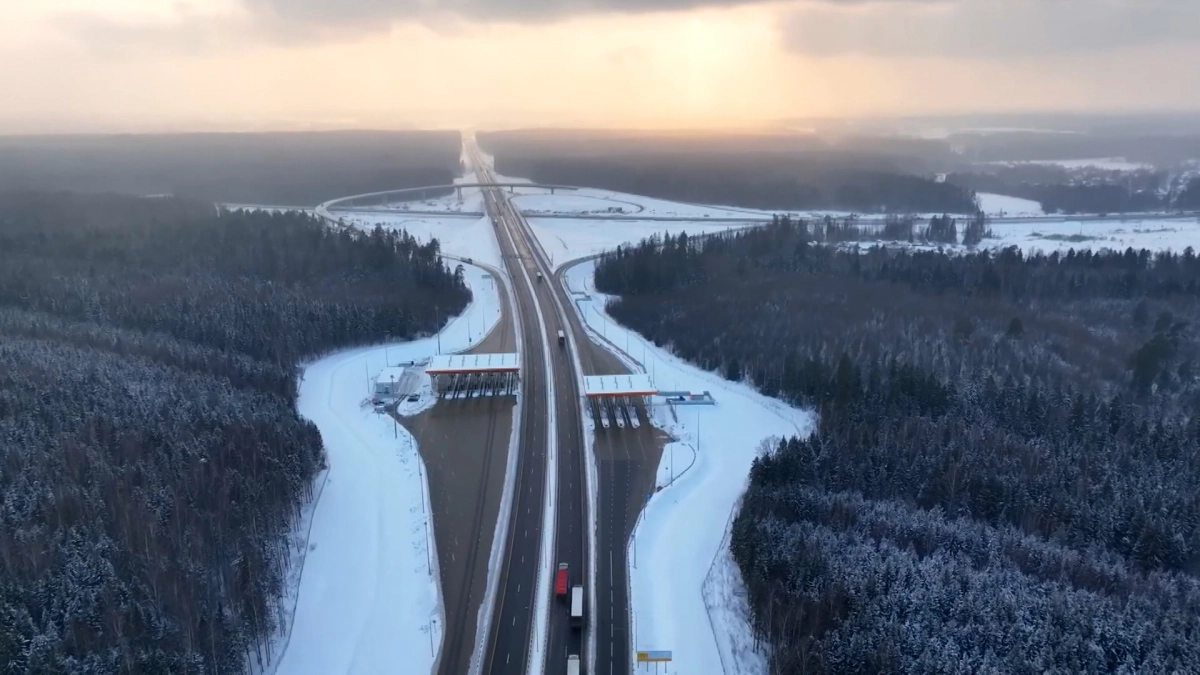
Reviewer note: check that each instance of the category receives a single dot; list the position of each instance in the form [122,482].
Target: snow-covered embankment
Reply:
[368,598]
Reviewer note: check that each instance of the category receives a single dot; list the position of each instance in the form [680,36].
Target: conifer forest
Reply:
[1004,472]
[152,462]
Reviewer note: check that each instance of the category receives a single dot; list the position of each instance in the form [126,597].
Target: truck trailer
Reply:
[560,581]
[573,664]
[577,606]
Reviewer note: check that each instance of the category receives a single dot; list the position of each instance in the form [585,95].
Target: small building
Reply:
[389,381]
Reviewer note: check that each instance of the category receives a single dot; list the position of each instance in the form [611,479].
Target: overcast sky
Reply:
[131,65]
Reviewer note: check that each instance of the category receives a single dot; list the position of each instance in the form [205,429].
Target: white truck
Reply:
[577,606]
[573,665]
[562,338]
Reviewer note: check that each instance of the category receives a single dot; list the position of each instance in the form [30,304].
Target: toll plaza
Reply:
[613,399]
[468,375]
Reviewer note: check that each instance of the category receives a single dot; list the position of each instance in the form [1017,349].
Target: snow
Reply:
[465,199]
[565,239]
[1111,233]
[677,569]
[596,201]
[1103,163]
[1003,205]
[368,596]
[459,237]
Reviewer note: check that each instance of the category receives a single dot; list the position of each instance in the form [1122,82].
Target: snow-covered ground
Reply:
[460,237]
[1155,235]
[368,597]
[684,585]
[565,239]
[1003,205]
[1104,163]
[465,199]
[595,201]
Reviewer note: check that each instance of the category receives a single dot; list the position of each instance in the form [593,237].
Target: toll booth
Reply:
[467,375]
[619,400]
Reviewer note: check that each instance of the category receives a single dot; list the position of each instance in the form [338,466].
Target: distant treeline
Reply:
[1095,191]
[1003,475]
[152,462]
[773,172]
[1134,145]
[293,169]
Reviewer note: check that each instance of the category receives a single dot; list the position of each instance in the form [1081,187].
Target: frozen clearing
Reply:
[1155,235]
[565,239]
[684,587]
[465,199]
[1103,163]
[1005,206]
[369,597]
[591,200]
[459,237]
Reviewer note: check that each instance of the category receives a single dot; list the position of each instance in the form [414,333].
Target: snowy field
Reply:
[1003,205]
[466,199]
[1155,235]
[368,595]
[1103,163]
[685,588]
[595,201]
[565,239]
[460,237]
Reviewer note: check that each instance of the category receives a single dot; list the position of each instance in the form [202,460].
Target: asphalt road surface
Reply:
[627,458]
[464,443]
[508,638]
[627,464]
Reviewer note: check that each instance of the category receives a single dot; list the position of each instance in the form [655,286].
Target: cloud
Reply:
[992,29]
[183,27]
[365,14]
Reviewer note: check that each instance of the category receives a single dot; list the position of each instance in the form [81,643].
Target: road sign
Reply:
[654,657]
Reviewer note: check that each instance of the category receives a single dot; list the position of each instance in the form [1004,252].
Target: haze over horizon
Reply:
[148,65]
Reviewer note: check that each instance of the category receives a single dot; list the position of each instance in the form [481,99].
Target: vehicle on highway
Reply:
[573,664]
[577,606]
[539,277]
[560,581]
[562,338]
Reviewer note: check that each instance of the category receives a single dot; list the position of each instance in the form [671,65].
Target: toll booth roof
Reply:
[448,364]
[637,384]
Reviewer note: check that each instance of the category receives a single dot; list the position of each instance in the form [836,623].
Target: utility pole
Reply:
[438,320]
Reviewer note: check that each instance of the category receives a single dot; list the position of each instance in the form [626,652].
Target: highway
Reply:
[627,461]
[540,313]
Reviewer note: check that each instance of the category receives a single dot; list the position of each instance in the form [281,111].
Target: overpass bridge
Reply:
[374,202]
